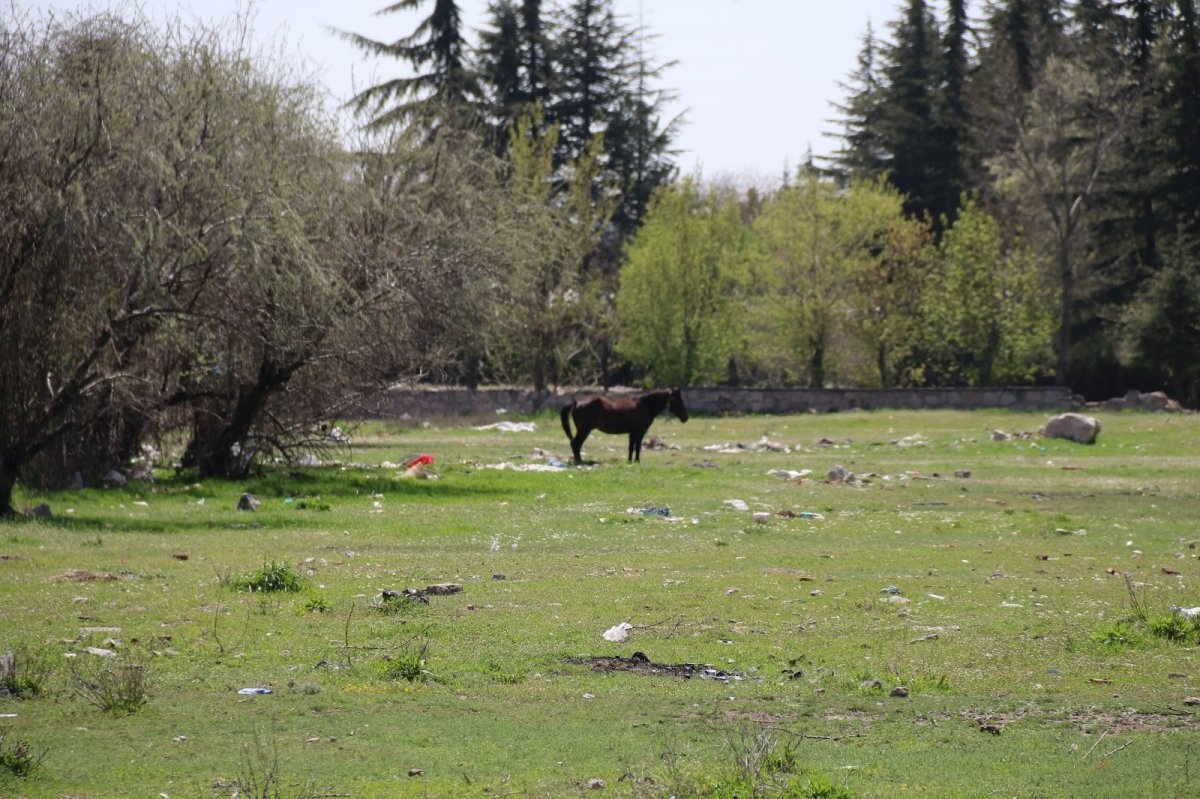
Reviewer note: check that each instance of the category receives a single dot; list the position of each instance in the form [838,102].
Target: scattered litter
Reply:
[528,467]
[1188,613]
[1010,605]
[639,663]
[790,474]
[891,589]
[706,464]
[935,596]
[962,474]
[618,633]
[769,445]
[420,460]
[1064,531]
[253,691]
[915,440]
[663,511]
[737,504]
[897,600]
[308,459]
[509,427]
[596,784]
[98,652]
[412,594]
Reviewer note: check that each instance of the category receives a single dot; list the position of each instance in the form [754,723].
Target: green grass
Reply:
[1032,667]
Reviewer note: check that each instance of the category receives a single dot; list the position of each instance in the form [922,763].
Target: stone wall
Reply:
[430,402]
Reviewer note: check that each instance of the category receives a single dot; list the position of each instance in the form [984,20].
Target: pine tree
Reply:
[512,64]
[910,125]
[1181,118]
[444,90]
[863,153]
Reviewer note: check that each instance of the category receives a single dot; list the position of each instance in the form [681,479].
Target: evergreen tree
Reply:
[444,90]
[915,137]
[863,153]
[1181,119]
[604,86]
[512,64]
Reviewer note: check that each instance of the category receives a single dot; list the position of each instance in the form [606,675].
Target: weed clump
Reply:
[119,687]
[24,673]
[17,758]
[761,768]
[1117,635]
[270,578]
[408,664]
[1175,627]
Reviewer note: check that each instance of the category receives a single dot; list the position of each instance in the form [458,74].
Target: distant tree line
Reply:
[1015,199]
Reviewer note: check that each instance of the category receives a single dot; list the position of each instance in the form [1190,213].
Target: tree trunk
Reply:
[8,480]
[1064,330]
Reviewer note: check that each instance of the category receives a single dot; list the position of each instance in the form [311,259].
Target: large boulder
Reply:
[1073,426]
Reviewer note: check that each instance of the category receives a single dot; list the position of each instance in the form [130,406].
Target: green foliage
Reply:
[1117,635]
[839,275]
[406,664]
[987,315]
[678,301]
[1163,323]
[1175,627]
[270,578]
[317,603]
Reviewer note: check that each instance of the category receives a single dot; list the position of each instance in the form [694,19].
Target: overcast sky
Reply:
[755,78]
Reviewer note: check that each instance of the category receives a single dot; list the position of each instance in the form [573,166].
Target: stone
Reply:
[249,502]
[899,691]
[1074,427]
[838,474]
[115,478]
[596,784]
[999,435]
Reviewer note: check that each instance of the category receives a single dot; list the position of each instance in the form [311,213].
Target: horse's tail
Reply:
[566,419]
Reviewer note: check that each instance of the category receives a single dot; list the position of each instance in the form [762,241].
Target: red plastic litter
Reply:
[425,459]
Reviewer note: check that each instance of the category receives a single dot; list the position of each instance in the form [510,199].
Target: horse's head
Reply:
[675,404]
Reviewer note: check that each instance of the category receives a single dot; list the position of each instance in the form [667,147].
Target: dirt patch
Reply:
[13,557]
[85,576]
[639,663]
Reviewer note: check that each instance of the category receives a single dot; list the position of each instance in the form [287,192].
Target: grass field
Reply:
[1025,610]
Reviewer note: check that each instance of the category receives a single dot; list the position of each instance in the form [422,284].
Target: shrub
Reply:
[269,578]
[1175,627]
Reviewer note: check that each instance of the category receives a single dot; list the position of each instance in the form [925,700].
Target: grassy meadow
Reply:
[1018,591]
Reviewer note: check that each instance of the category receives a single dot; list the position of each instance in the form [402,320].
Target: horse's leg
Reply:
[635,444]
[581,435]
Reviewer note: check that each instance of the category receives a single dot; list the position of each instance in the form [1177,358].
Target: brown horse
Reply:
[631,415]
